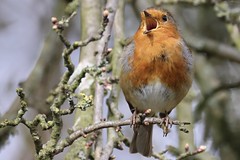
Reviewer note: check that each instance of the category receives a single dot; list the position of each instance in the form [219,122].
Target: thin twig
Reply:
[59,27]
[160,155]
[189,153]
[21,111]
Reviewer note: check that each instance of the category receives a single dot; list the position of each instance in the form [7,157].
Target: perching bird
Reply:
[156,74]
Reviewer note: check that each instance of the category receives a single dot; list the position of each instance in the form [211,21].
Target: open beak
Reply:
[150,22]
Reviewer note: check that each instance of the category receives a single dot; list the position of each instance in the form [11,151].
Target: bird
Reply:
[156,72]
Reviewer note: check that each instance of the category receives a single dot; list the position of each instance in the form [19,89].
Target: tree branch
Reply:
[106,124]
[113,140]
[110,11]
[189,153]
[209,95]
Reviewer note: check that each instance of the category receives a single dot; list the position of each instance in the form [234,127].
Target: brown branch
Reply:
[107,124]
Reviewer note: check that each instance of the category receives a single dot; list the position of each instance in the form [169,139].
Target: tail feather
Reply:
[142,140]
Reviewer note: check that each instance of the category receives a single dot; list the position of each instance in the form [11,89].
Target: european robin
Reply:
[157,69]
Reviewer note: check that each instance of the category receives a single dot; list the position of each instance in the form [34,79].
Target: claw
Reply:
[139,116]
[166,124]
[133,118]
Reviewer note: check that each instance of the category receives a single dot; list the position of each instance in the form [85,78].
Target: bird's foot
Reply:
[166,124]
[139,117]
[134,119]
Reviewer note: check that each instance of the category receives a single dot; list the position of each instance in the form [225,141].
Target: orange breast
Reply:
[157,57]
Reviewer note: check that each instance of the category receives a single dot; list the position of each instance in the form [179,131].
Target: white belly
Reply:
[156,97]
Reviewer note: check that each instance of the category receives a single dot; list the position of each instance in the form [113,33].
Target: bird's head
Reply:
[155,20]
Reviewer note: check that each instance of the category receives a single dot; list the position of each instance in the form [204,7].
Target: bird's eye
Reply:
[164,18]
